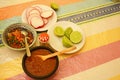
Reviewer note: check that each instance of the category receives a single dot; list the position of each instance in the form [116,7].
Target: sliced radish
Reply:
[45,21]
[28,11]
[38,8]
[38,17]
[34,11]
[29,18]
[37,22]
[47,13]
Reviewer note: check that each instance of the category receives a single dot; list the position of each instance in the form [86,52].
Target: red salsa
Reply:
[37,67]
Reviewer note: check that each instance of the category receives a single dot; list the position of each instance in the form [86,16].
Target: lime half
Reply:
[58,31]
[76,37]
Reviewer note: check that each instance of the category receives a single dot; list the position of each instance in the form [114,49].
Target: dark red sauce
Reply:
[37,67]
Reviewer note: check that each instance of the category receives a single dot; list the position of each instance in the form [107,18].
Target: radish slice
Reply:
[45,21]
[38,8]
[34,11]
[29,18]
[28,11]
[47,14]
[37,22]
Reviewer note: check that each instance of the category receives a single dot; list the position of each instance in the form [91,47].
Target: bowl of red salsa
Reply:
[38,69]
[13,38]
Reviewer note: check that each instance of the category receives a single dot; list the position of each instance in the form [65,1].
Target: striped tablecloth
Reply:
[99,59]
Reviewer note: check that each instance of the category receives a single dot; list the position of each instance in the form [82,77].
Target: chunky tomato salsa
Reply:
[37,67]
[16,39]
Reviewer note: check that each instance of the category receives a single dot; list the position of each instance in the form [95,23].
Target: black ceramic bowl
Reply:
[37,69]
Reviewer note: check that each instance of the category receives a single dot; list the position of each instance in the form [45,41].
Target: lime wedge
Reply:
[66,42]
[68,31]
[58,31]
[76,37]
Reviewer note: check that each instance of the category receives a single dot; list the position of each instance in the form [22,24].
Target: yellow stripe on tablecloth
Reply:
[5,3]
[115,77]
[10,69]
[102,72]
[102,39]
[98,40]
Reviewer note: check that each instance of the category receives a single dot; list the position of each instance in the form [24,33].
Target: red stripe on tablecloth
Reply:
[86,60]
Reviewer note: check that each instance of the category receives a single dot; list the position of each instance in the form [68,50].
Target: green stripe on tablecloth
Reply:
[7,22]
[81,6]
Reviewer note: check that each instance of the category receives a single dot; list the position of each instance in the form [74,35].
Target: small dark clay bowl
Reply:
[40,77]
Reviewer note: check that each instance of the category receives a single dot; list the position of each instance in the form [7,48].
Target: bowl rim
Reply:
[26,26]
[40,77]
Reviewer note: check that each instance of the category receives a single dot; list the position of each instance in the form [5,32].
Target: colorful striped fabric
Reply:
[99,59]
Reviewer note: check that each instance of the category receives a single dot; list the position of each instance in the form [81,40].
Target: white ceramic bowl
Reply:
[16,26]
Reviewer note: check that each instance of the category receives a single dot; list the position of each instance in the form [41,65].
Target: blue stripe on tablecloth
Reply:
[89,15]
[82,5]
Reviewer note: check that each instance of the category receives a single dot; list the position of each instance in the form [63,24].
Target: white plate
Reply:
[56,42]
[51,22]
